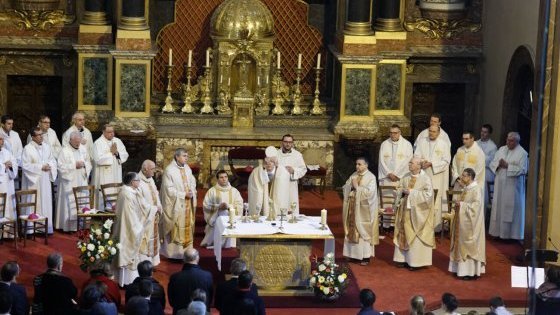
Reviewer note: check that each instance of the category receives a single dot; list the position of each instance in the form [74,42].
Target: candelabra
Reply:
[317,110]
[278,100]
[168,108]
[207,101]
[187,108]
[296,110]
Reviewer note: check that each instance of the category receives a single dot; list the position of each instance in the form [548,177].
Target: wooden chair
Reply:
[450,211]
[110,193]
[316,157]
[27,199]
[8,226]
[387,197]
[248,153]
[84,196]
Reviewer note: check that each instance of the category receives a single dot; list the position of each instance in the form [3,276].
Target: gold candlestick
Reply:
[317,110]
[168,107]
[207,101]
[187,108]
[296,110]
[278,100]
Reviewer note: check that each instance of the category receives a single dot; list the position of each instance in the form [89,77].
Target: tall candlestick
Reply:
[324,217]
[258,81]
[221,78]
[299,61]
[170,56]
[228,81]
[278,60]
[190,58]
[319,61]
[208,57]
[267,79]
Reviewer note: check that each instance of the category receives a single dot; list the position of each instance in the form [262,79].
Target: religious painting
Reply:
[390,87]
[95,81]
[132,90]
[358,93]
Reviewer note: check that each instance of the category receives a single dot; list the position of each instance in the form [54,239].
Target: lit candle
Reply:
[324,217]
[299,61]
[190,58]
[319,61]
[231,214]
[170,56]
[207,57]
[278,60]
[258,81]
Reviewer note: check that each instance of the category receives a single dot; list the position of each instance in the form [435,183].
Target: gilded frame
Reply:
[400,111]
[373,82]
[82,57]
[118,72]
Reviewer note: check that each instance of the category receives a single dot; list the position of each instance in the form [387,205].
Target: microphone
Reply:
[553,245]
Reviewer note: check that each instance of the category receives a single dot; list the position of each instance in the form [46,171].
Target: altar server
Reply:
[360,214]
[219,201]
[149,247]
[78,124]
[49,135]
[435,120]
[510,163]
[39,171]
[178,198]
[12,141]
[293,162]
[74,167]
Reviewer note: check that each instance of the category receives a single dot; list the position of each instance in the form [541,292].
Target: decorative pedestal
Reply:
[243,111]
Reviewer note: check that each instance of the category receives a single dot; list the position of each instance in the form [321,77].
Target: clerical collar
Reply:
[144,177]
[223,188]
[180,166]
[73,147]
[286,152]
[80,129]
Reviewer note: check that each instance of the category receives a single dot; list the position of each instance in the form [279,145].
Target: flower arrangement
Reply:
[96,246]
[328,279]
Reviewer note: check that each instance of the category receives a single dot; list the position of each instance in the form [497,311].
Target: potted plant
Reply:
[96,246]
[328,280]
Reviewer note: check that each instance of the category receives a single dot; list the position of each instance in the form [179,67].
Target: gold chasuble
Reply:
[150,240]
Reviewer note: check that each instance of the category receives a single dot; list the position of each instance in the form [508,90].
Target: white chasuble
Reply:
[107,167]
[87,139]
[52,140]
[393,159]
[149,247]
[295,160]
[212,200]
[266,189]
[424,135]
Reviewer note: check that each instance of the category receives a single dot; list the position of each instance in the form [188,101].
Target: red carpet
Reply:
[393,286]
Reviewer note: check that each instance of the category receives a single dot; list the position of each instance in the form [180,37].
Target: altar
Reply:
[277,253]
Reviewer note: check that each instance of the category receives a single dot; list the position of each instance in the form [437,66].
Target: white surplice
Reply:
[70,177]
[212,200]
[86,135]
[507,219]
[149,249]
[7,177]
[424,135]
[134,216]
[264,186]
[34,157]
[295,160]
[12,142]
[50,138]
[438,153]
[489,148]
[107,168]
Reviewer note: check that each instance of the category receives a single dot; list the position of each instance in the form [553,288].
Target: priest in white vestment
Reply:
[414,222]
[470,155]
[268,185]
[8,172]
[78,124]
[12,141]
[360,214]
[49,135]
[435,120]
[489,148]
[435,154]
[219,201]
[292,160]
[149,247]
[74,167]
[178,198]
[39,171]
[109,155]
[467,257]
[510,164]
[134,216]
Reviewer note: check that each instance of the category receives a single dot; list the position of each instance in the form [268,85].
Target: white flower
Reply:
[329,256]
[98,232]
[118,245]
[106,236]
[108,223]
[90,247]
[91,237]
[321,279]
[336,289]
[326,290]
[96,256]
[113,251]
[101,248]
[312,281]
[341,279]
[321,267]
[88,254]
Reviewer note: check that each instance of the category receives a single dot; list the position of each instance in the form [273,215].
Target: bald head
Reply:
[191,256]
[79,120]
[148,168]
[414,165]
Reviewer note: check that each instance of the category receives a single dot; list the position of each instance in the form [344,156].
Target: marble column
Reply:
[358,18]
[95,12]
[388,19]
[133,15]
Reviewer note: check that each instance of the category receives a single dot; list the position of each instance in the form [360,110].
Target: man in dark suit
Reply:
[367,299]
[142,304]
[8,275]
[55,293]
[243,299]
[226,288]
[5,302]
[145,271]
[183,283]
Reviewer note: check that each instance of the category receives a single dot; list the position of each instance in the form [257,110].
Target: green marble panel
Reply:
[358,88]
[388,93]
[133,88]
[95,89]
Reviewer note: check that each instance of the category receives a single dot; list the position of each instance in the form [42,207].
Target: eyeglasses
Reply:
[287,141]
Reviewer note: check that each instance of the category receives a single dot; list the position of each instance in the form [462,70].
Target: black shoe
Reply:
[401,265]
[413,268]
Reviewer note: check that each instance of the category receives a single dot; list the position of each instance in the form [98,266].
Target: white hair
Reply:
[515,135]
[75,134]
[147,163]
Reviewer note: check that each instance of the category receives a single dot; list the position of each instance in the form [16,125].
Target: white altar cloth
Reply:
[306,228]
